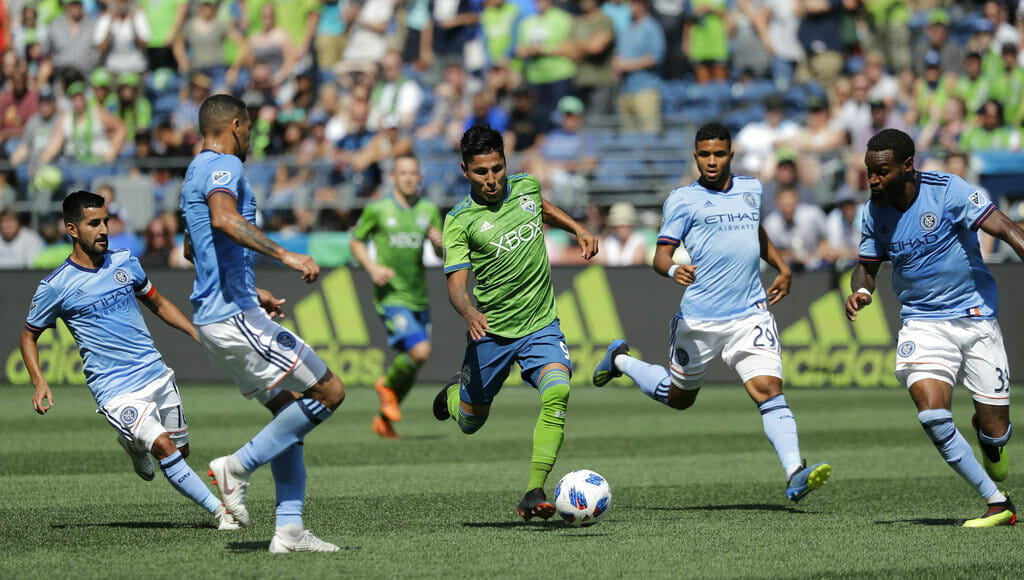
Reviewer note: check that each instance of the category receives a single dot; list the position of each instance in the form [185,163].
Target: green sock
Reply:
[401,375]
[547,436]
[453,401]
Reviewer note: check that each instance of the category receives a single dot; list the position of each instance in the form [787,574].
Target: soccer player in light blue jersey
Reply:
[235,325]
[94,292]
[925,223]
[724,308]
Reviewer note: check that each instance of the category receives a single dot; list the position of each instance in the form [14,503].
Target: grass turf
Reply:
[697,493]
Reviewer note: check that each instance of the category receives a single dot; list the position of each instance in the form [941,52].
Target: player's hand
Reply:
[302,264]
[270,304]
[779,287]
[588,244]
[381,275]
[855,302]
[434,235]
[42,394]
[477,322]
[685,274]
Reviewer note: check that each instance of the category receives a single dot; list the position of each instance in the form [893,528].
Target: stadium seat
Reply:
[136,194]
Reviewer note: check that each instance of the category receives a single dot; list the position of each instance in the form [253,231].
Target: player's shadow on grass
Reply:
[136,525]
[246,547]
[765,507]
[536,526]
[923,522]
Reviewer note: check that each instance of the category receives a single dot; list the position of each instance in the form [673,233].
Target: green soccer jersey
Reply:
[398,234]
[503,243]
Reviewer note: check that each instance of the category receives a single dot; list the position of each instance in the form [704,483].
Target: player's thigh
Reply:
[692,347]
[172,412]
[926,350]
[260,355]
[986,370]
[540,350]
[485,367]
[137,417]
[753,350]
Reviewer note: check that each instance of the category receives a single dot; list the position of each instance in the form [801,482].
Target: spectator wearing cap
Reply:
[565,158]
[72,39]
[131,106]
[973,87]
[395,94]
[19,245]
[1008,86]
[593,35]
[936,40]
[890,31]
[706,40]
[622,244]
[101,82]
[544,45]
[755,142]
[639,51]
[122,34]
[36,134]
[992,133]
[798,230]
[931,91]
[842,230]
[87,135]
[165,19]
[199,46]
[18,104]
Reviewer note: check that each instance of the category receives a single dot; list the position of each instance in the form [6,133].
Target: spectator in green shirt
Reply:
[992,133]
[543,43]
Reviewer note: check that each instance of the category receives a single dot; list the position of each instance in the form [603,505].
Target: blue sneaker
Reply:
[807,480]
[605,370]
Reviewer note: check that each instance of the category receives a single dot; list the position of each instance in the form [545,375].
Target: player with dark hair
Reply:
[724,310]
[497,232]
[95,293]
[924,222]
[398,224]
[235,323]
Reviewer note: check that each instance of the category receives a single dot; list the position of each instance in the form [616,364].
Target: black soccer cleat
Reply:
[441,412]
[535,503]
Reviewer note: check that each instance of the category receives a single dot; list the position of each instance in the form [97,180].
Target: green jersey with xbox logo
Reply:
[503,243]
[398,234]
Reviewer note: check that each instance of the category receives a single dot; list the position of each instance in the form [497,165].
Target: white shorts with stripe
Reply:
[962,350]
[750,345]
[146,414]
[260,355]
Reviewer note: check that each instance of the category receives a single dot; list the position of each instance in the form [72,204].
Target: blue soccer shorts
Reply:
[406,328]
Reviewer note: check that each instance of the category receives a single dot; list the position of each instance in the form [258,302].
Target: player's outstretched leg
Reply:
[606,370]
[780,429]
[547,440]
[995,460]
[938,424]
[141,460]
[290,535]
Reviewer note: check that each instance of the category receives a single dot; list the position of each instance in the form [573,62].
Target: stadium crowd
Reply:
[594,98]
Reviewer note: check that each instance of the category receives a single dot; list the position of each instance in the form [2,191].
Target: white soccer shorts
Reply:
[750,345]
[962,350]
[260,355]
[148,413]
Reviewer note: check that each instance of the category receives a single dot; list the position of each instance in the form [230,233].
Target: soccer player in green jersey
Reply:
[397,225]
[497,232]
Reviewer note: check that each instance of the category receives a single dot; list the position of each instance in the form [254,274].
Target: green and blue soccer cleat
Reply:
[605,370]
[807,480]
[999,514]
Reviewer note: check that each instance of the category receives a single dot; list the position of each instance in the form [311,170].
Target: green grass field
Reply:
[696,493]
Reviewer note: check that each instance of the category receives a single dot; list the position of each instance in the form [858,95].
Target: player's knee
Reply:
[470,423]
[163,447]
[329,391]
[680,399]
[184,450]
[420,353]
[555,394]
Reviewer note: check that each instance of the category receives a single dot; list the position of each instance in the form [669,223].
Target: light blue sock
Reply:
[653,380]
[186,481]
[290,484]
[938,424]
[288,427]
[780,428]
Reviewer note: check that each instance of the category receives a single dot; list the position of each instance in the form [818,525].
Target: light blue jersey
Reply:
[225,282]
[99,308]
[720,231]
[933,246]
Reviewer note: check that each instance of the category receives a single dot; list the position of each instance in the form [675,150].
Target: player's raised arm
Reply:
[225,218]
[30,354]
[554,216]
[862,285]
[770,254]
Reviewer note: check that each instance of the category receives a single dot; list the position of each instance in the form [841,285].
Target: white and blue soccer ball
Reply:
[582,497]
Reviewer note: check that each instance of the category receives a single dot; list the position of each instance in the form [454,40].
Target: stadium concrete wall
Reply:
[596,305]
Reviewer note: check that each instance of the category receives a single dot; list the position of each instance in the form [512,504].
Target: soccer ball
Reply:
[582,497]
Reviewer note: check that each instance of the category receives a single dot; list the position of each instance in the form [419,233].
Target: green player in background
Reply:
[497,232]
[397,225]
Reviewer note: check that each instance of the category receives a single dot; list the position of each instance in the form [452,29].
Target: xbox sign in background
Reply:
[596,305]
